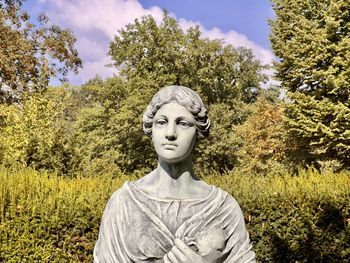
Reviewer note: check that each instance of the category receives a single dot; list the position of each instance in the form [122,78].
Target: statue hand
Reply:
[181,253]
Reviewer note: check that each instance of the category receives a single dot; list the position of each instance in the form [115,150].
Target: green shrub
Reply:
[304,218]
[47,218]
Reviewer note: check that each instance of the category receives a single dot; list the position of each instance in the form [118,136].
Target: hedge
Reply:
[48,218]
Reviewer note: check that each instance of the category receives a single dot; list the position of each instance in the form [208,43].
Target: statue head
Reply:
[185,97]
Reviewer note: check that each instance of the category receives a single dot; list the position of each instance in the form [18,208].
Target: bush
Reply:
[304,218]
[47,218]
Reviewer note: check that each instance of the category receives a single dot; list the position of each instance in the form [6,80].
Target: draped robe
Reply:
[138,227]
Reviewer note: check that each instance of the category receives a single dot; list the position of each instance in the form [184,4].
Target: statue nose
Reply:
[171,132]
[171,137]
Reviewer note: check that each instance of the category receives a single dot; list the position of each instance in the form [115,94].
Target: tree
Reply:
[107,114]
[312,39]
[32,53]
[263,136]
[164,54]
[109,132]
[28,132]
[150,55]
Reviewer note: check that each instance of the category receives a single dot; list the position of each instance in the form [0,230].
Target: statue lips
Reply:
[169,146]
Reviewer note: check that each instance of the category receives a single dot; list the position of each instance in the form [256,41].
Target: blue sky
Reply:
[248,17]
[95,22]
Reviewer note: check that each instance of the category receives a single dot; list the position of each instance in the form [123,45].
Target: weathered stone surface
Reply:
[170,215]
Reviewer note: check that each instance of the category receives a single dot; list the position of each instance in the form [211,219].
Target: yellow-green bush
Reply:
[304,218]
[47,218]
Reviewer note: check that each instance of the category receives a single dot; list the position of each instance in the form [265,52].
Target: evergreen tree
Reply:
[312,40]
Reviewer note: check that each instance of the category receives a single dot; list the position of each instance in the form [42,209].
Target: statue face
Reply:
[173,132]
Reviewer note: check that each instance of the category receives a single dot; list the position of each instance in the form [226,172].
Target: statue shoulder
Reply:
[146,183]
[148,179]
[229,199]
[119,196]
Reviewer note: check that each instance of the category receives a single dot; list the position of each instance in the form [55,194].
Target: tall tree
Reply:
[312,40]
[150,55]
[165,54]
[31,53]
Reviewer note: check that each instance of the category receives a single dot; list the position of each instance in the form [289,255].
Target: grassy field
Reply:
[48,218]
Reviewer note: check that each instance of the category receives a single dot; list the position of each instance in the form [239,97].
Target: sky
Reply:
[95,22]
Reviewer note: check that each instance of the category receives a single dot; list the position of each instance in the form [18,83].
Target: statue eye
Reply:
[161,122]
[184,124]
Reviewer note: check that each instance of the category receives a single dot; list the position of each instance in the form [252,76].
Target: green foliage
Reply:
[46,218]
[26,131]
[321,124]
[263,135]
[126,134]
[108,133]
[37,133]
[312,40]
[31,53]
[89,141]
[302,218]
[218,152]
[165,55]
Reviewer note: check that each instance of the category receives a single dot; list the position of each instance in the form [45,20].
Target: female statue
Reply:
[170,215]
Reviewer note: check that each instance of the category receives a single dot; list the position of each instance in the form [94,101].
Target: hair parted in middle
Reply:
[183,96]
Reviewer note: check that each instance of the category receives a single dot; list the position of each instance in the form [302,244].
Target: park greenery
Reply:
[31,52]
[45,217]
[312,40]
[286,158]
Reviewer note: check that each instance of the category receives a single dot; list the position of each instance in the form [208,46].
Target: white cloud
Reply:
[90,50]
[232,37]
[239,40]
[91,69]
[105,15]
[95,22]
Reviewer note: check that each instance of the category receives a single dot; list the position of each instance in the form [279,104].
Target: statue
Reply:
[170,215]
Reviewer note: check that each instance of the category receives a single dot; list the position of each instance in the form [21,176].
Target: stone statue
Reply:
[170,215]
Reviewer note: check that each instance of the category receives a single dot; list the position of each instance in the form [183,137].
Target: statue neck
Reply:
[176,171]
[175,181]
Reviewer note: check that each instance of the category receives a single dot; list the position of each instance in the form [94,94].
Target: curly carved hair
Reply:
[183,96]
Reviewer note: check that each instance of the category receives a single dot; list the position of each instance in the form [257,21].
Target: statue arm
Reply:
[180,252]
[238,248]
[108,247]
